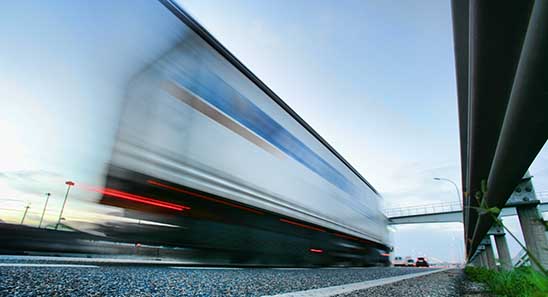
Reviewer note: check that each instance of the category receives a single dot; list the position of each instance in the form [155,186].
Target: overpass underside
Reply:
[501,55]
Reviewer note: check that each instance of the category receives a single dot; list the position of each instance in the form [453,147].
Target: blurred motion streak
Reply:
[152,182]
[301,225]
[346,236]
[137,198]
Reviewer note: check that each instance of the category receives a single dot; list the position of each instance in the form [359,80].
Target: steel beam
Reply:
[459,9]
[496,37]
[525,128]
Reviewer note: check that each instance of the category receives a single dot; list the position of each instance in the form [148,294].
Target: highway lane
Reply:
[44,278]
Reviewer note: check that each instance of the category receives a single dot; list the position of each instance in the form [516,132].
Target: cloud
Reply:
[33,184]
[414,184]
[28,174]
[31,181]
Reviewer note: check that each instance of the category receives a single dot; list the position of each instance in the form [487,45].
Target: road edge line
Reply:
[347,288]
[50,265]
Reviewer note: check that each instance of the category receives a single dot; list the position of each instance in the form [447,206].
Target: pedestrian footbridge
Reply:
[445,212]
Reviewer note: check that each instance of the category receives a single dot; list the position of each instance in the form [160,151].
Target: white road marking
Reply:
[290,268]
[206,268]
[342,289]
[46,265]
[98,260]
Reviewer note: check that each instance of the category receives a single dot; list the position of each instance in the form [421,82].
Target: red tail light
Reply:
[137,198]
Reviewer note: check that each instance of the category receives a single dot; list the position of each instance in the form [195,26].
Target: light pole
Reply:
[44,211]
[69,184]
[25,213]
[454,184]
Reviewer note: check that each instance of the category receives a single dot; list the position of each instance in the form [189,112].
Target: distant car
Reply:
[410,262]
[421,262]
[398,261]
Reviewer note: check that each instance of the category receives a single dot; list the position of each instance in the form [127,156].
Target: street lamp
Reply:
[44,211]
[25,213]
[69,184]
[454,184]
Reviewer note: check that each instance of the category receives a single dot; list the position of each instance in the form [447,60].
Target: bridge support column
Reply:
[472,261]
[532,224]
[489,255]
[534,233]
[475,261]
[482,256]
[479,260]
[484,263]
[502,247]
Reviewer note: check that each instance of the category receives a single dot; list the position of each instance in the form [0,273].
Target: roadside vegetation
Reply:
[520,282]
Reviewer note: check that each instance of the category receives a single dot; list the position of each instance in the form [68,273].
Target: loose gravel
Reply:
[165,281]
[442,284]
[474,289]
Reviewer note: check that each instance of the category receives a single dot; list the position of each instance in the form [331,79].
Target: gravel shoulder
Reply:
[473,289]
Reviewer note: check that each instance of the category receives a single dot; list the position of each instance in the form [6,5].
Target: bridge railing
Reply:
[440,207]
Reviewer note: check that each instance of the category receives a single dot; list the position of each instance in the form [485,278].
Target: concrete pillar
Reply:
[488,252]
[504,253]
[491,264]
[534,233]
[477,261]
[483,259]
[502,247]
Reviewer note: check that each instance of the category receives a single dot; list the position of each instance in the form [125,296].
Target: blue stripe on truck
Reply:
[218,93]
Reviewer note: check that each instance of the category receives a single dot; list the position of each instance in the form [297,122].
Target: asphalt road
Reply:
[443,284]
[46,278]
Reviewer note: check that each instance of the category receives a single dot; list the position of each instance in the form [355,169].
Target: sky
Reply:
[376,79]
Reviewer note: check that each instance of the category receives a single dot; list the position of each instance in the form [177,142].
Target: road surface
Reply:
[29,276]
